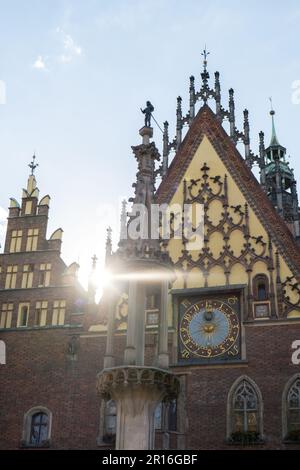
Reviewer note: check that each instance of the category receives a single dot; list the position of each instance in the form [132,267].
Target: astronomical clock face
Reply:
[209,329]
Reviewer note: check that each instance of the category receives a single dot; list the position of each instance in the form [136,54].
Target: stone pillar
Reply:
[140,324]
[135,343]
[109,358]
[137,391]
[163,354]
[135,410]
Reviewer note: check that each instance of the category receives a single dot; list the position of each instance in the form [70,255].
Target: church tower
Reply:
[278,179]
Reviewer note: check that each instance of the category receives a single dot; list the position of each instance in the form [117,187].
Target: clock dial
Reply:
[209,328]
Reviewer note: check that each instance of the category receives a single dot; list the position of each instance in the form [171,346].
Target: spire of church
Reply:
[274,140]
[108,245]
[277,178]
[92,280]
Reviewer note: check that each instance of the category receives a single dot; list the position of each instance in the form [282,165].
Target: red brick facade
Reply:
[55,366]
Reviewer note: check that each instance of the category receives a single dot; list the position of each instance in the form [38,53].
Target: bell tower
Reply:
[136,383]
[280,182]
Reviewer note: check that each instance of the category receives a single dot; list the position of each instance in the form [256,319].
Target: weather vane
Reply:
[272,112]
[204,54]
[32,165]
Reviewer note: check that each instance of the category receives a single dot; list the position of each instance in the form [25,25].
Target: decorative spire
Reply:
[274,139]
[165,162]
[92,285]
[178,122]
[205,91]
[192,98]
[94,262]
[205,53]
[231,113]
[32,165]
[123,221]
[108,245]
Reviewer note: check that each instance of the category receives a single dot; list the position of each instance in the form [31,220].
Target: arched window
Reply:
[165,416]
[110,422]
[291,409]
[261,287]
[37,427]
[261,296]
[244,412]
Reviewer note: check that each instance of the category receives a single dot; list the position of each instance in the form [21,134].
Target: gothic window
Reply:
[37,427]
[172,415]
[261,296]
[59,310]
[158,416]
[261,287]
[16,241]
[165,416]
[40,317]
[110,422]
[32,239]
[11,276]
[6,315]
[44,275]
[244,412]
[23,314]
[292,410]
[27,276]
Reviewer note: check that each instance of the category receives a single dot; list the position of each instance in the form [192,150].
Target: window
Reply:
[261,296]
[110,422]
[44,275]
[245,408]
[16,241]
[40,317]
[6,315]
[245,412]
[27,276]
[32,239]
[291,410]
[11,276]
[172,415]
[261,287]
[158,416]
[152,307]
[165,416]
[59,310]
[23,314]
[37,427]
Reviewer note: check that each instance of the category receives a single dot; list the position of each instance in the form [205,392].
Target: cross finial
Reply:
[32,165]
[94,261]
[204,53]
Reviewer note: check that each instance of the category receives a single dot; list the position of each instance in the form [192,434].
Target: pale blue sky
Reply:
[77,72]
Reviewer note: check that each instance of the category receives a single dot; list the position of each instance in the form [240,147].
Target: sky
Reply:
[74,74]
